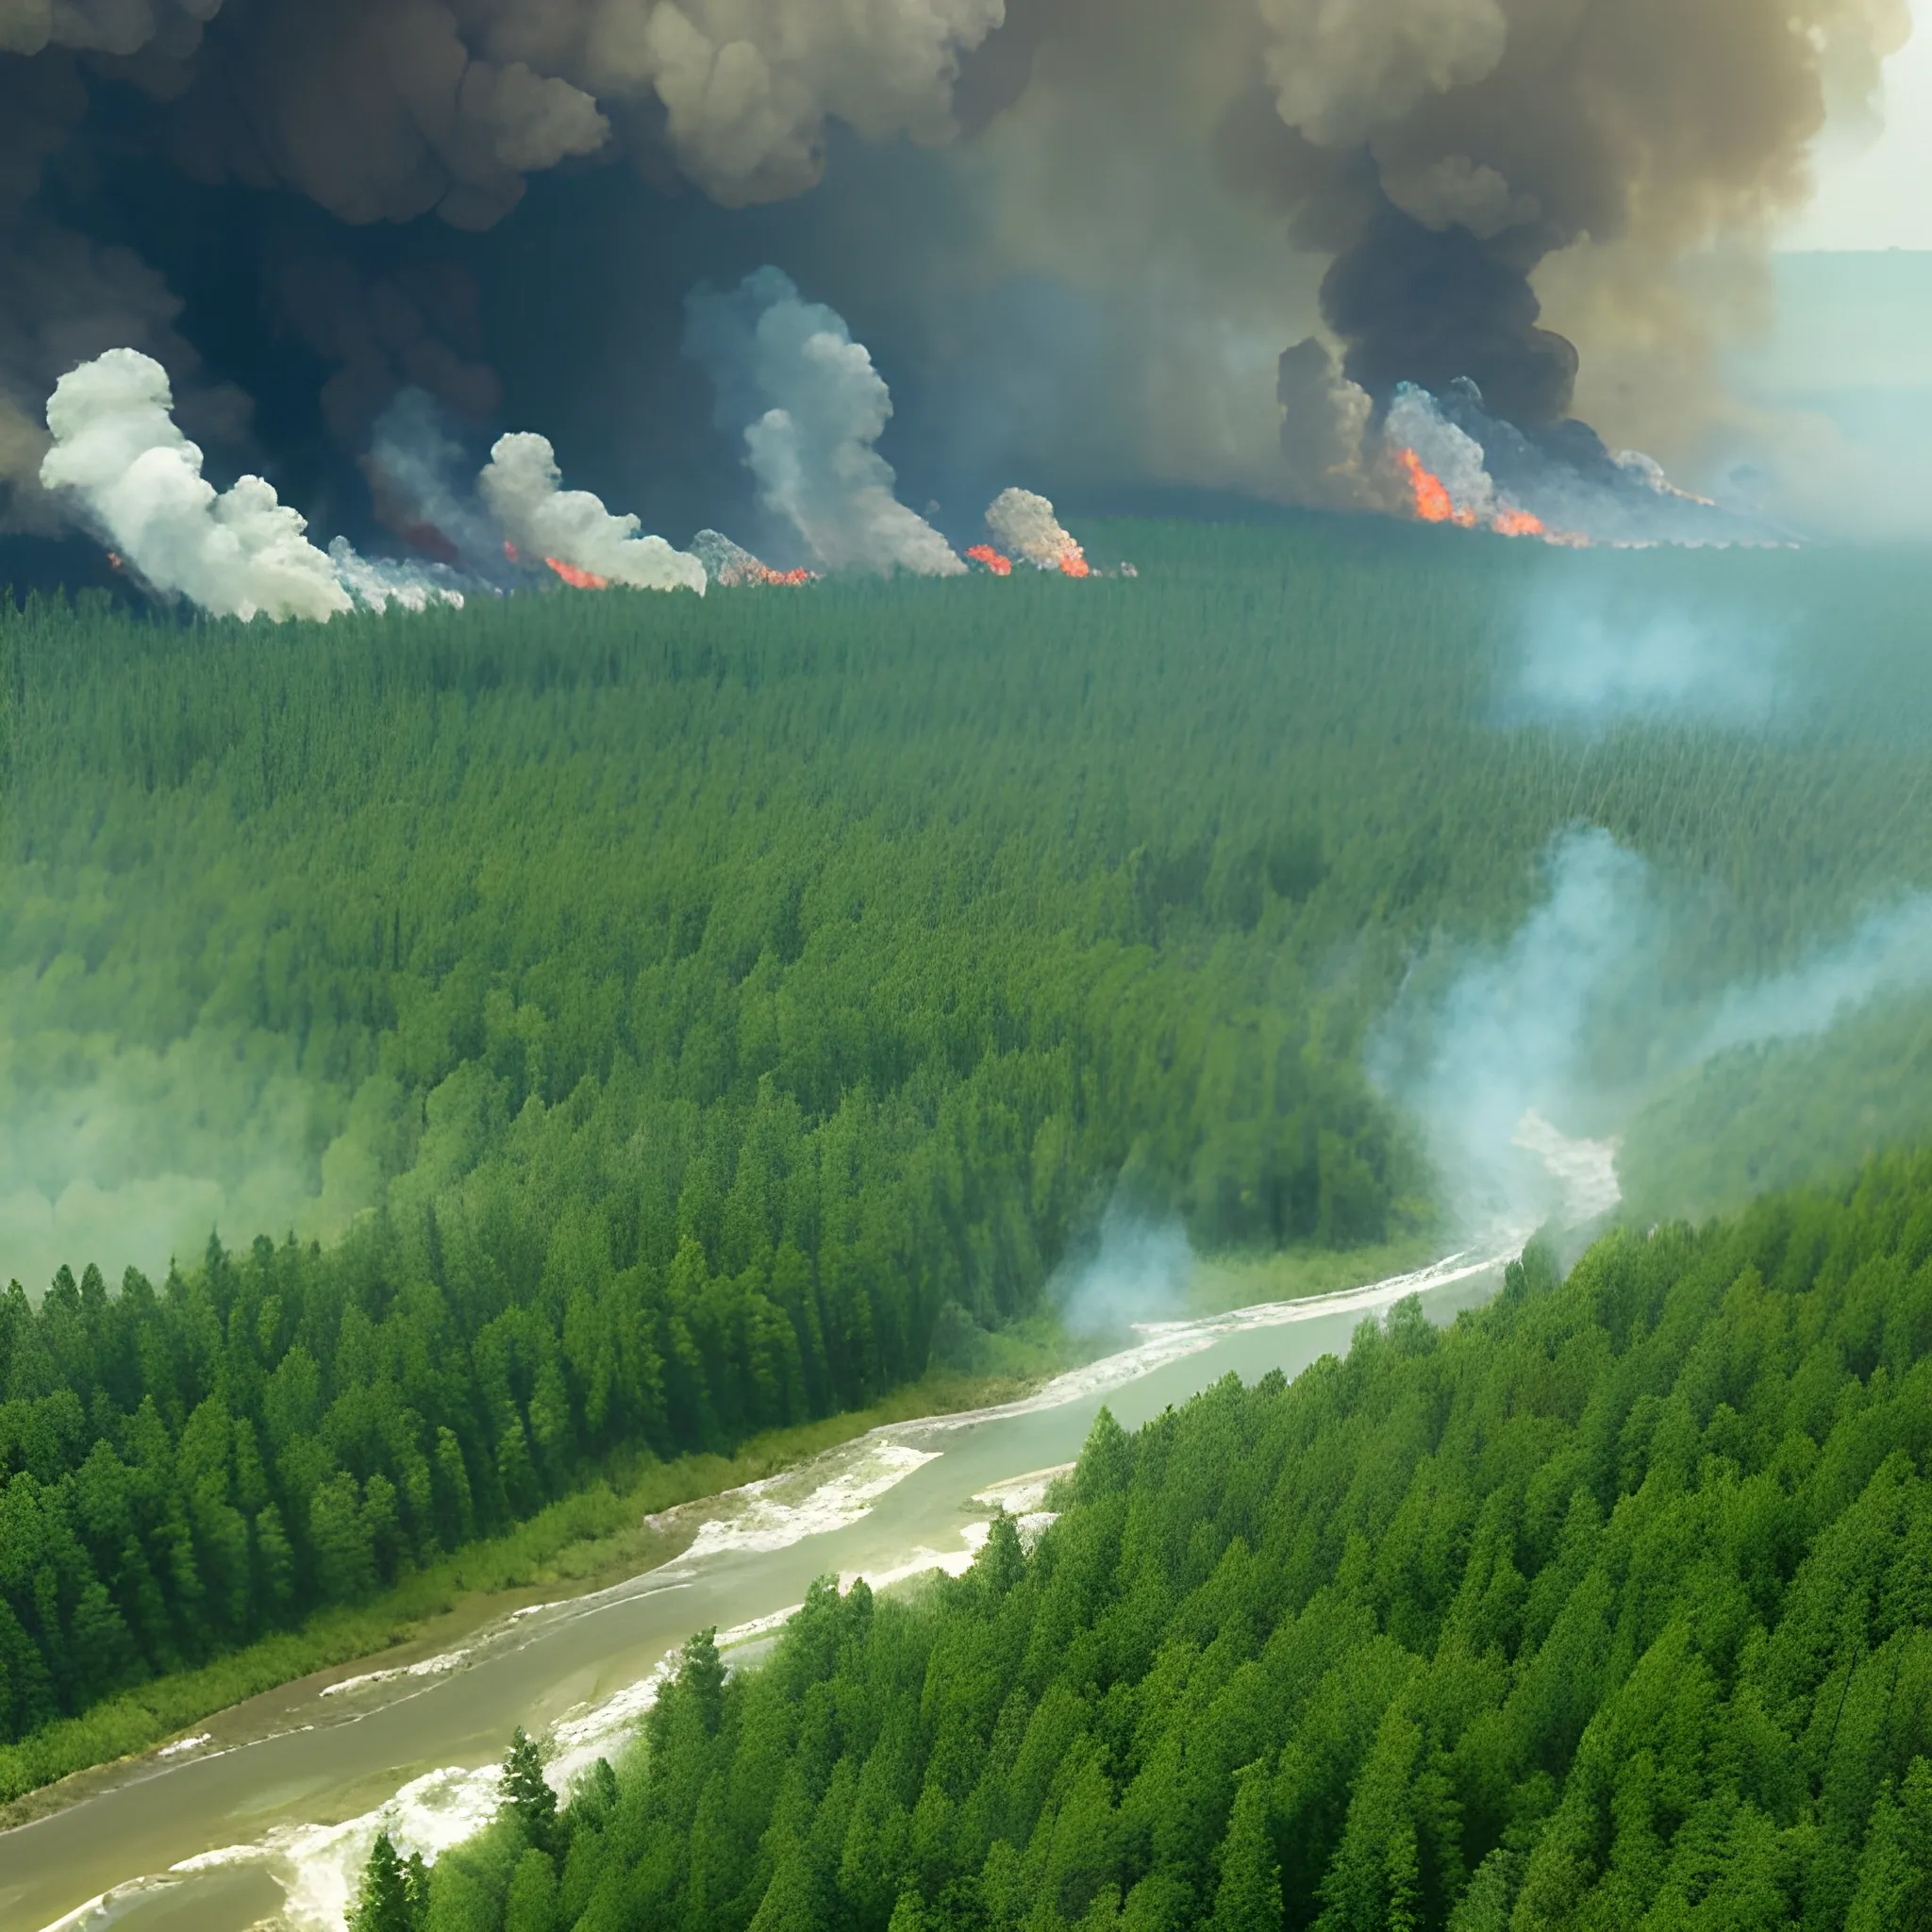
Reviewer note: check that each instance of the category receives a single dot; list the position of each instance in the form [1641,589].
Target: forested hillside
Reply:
[660,1019]
[1610,1607]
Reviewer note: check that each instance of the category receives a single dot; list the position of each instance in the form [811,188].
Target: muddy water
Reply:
[271,1831]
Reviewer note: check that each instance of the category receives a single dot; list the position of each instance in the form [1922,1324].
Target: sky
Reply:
[1874,194]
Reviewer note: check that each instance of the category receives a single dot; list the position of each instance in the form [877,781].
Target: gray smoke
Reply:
[1109,249]
[811,408]
[421,479]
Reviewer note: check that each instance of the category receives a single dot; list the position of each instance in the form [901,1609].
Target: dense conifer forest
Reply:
[660,1019]
[1610,1607]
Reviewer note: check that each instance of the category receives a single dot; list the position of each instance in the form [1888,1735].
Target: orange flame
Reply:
[1073,564]
[1433,503]
[1519,523]
[577,579]
[984,553]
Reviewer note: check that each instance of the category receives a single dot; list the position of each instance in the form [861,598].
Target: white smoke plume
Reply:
[525,491]
[118,454]
[811,407]
[1571,1023]
[1025,524]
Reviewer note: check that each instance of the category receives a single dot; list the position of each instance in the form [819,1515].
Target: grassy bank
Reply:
[581,1543]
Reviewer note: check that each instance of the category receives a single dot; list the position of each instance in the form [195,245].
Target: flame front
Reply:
[1433,503]
[984,553]
[577,579]
[1518,523]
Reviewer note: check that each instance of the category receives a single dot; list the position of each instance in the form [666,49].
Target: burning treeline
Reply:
[1435,154]
[805,395]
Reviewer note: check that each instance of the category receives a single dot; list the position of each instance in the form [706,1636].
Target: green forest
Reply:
[1608,1607]
[610,1025]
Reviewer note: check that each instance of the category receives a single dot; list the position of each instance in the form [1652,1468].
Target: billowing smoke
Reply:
[1102,252]
[811,407]
[137,479]
[64,299]
[1025,524]
[1443,150]
[525,491]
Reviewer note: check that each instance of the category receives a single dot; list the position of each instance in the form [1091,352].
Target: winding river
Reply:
[265,1820]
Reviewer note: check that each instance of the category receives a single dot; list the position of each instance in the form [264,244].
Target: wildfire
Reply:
[1518,523]
[1434,505]
[577,579]
[1073,562]
[984,553]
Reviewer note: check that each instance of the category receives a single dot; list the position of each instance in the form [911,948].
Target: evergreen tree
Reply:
[1248,1898]
[528,1792]
[385,1902]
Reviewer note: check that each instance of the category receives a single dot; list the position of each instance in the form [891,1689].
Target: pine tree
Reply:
[529,1790]
[385,1902]
[1249,1896]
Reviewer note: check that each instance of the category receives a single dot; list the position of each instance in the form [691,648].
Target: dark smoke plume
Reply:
[1094,276]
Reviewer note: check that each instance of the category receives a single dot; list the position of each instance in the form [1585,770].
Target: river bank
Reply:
[581,1544]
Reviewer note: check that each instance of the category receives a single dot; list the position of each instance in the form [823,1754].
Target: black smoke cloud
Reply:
[1074,233]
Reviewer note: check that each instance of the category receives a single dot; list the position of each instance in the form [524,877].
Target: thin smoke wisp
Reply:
[1589,659]
[1890,952]
[1509,1042]
[1137,1268]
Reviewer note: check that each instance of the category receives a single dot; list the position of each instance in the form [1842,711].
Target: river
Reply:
[265,1820]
